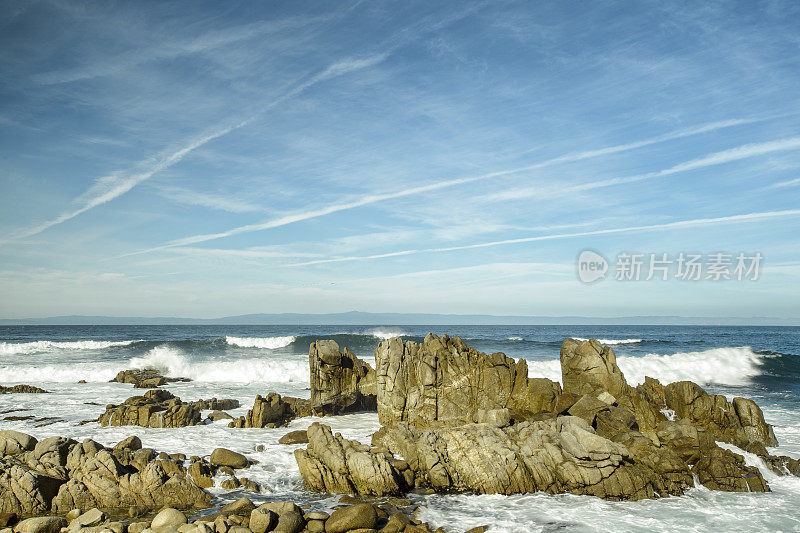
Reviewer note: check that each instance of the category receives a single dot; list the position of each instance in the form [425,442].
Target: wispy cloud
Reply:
[375,198]
[783,184]
[699,222]
[110,187]
[211,201]
[726,156]
[113,186]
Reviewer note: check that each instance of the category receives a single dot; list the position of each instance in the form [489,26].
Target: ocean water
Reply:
[239,362]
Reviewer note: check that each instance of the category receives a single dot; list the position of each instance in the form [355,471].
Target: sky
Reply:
[205,159]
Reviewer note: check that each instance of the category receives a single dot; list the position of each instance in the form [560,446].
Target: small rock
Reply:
[137,527]
[241,507]
[262,520]
[225,457]
[169,517]
[92,517]
[360,516]
[294,437]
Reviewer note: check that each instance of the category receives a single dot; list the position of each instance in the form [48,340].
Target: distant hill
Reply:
[401,319]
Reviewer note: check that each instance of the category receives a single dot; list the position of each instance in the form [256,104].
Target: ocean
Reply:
[762,363]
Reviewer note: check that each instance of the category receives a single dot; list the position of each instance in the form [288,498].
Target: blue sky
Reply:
[205,159]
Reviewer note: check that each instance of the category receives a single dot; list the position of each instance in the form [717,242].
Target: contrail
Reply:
[374,198]
[749,217]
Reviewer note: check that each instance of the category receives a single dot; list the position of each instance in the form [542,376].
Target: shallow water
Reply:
[242,361]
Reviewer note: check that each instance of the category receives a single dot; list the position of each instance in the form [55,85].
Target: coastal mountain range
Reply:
[364,318]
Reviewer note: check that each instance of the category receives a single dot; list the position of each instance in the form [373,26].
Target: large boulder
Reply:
[588,366]
[340,381]
[331,463]
[24,490]
[443,381]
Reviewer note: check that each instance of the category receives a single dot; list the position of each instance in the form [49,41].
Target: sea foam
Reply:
[269,343]
[9,348]
[719,366]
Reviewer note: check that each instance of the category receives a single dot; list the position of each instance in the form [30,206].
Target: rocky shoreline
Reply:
[454,420]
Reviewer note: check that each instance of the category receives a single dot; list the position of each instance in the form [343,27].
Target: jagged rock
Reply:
[14,442]
[443,380]
[147,378]
[272,412]
[738,422]
[720,469]
[217,405]
[340,381]
[202,474]
[556,455]
[159,409]
[263,520]
[619,444]
[225,457]
[294,437]
[334,464]
[588,367]
[24,389]
[25,490]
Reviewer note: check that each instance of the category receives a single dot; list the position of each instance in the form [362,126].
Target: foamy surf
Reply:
[269,343]
[718,366]
[612,342]
[384,334]
[10,348]
[174,363]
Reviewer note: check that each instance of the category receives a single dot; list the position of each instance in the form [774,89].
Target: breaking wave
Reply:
[385,334]
[8,348]
[270,343]
[612,341]
[718,366]
[174,363]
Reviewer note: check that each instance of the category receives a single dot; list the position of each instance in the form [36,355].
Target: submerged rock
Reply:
[22,389]
[147,378]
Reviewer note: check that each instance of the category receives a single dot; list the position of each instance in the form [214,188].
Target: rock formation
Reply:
[273,411]
[58,474]
[160,409]
[340,381]
[24,389]
[464,421]
[147,378]
[443,380]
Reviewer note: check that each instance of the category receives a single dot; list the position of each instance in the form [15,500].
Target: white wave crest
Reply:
[718,366]
[270,343]
[514,338]
[384,334]
[174,363]
[612,341]
[8,348]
